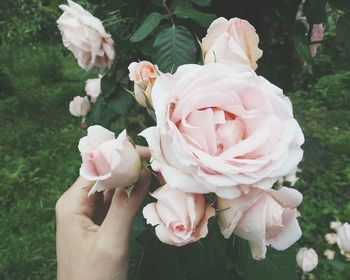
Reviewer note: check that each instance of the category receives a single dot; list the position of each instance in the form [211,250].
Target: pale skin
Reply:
[92,236]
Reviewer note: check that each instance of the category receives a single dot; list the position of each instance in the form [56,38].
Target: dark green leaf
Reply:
[149,24]
[315,11]
[201,2]
[203,19]
[157,3]
[342,31]
[277,265]
[109,82]
[173,47]
[120,103]
[343,5]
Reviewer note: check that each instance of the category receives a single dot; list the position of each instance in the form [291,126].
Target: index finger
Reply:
[144,152]
[76,201]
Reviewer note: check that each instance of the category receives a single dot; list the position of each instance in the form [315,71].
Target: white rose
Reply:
[85,36]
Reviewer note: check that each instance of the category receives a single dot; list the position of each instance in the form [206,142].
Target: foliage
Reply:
[323,111]
[37,142]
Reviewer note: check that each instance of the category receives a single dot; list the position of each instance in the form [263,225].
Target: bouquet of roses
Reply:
[222,137]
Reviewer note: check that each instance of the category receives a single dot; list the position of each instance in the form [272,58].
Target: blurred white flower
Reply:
[93,88]
[329,254]
[307,259]
[331,238]
[79,106]
[343,239]
[335,225]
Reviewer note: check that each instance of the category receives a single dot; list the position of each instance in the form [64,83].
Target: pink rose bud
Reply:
[263,218]
[331,238]
[335,225]
[317,35]
[329,254]
[79,106]
[93,88]
[233,40]
[343,240]
[144,75]
[307,259]
[180,218]
[112,163]
[220,127]
[85,36]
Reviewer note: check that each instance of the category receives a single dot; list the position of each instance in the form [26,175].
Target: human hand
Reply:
[92,236]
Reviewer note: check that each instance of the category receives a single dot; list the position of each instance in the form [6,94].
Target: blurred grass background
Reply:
[39,155]
[40,159]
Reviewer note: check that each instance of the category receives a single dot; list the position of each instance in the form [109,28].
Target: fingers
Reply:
[116,227]
[76,201]
[144,152]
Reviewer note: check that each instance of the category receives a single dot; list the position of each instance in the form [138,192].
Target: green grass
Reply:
[324,114]
[38,148]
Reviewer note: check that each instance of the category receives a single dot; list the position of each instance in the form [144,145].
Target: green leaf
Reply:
[201,2]
[173,47]
[315,11]
[108,82]
[203,19]
[149,24]
[277,265]
[342,31]
[343,5]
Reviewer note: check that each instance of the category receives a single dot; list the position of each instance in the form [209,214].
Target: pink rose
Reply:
[79,106]
[343,240]
[317,35]
[108,161]
[263,218]
[143,74]
[84,35]
[221,127]
[93,88]
[180,218]
[307,259]
[233,40]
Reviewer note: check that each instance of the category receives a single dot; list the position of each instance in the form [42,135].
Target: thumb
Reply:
[116,226]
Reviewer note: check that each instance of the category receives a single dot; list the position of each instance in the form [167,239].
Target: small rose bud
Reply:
[329,254]
[331,238]
[307,259]
[144,75]
[79,106]
[93,88]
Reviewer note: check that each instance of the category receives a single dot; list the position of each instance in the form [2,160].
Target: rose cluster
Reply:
[220,129]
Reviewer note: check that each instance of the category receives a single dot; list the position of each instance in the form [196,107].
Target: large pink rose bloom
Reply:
[263,218]
[85,36]
[221,127]
[180,218]
[233,40]
[111,162]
